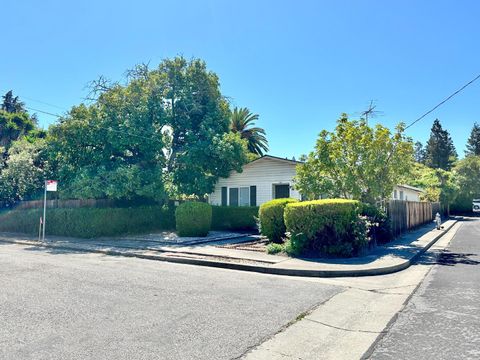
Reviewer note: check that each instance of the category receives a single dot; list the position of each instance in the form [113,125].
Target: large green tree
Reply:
[201,148]
[99,151]
[12,104]
[356,161]
[473,143]
[440,151]
[243,122]
[165,132]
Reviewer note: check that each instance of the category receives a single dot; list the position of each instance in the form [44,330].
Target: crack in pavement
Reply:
[345,329]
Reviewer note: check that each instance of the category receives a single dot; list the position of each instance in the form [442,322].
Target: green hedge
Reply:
[193,218]
[331,227]
[272,224]
[90,222]
[234,217]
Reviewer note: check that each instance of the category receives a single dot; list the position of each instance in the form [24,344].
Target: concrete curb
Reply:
[169,257]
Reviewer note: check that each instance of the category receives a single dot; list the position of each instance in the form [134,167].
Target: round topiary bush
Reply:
[193,219]
[270,214]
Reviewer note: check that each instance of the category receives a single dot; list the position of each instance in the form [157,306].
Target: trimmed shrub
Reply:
[331,227]
[193,218]
[274,248]
[234,217]
[379,229]
[90,222]
[272,223]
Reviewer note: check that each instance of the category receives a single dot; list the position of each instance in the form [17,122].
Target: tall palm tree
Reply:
[242,122]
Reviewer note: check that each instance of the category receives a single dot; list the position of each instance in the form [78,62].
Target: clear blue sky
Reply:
[298,64]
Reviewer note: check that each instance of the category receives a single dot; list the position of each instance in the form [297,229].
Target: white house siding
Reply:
[408,194]
[262,173]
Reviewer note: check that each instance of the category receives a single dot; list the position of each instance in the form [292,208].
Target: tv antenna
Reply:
[371,112]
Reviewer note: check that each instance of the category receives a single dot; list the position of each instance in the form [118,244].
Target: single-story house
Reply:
[407,192]
[270,177]
[264,179]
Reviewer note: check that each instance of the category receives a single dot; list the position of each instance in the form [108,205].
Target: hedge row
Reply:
[193,218]
[90,222]
[234,217]
[326,227]
[97,222]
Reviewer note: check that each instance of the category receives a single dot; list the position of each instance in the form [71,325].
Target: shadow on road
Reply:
[448,258]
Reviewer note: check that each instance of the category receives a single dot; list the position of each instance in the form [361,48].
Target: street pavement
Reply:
[59,304]
[442,319]
[63,305]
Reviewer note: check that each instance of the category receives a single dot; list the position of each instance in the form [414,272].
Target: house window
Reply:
[240,196]
[244,199]
[395,194]
[401,195]
[281,191]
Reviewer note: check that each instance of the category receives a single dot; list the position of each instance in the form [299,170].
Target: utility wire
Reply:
[96,126]
[444,101]
[38,101]
[43,112]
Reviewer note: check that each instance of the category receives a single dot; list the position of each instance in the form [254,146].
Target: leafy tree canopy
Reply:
[467,172]
[163,133]
[440,151]
[356,161]
[439,184]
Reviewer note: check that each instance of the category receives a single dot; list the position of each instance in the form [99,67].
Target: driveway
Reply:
[61,305]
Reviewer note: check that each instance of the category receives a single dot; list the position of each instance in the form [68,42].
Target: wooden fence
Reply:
[406,215]
[75,203]
[80,203]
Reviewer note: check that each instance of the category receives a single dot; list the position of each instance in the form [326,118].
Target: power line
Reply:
[96,126]
[444,101]
[39,101]
[43,112]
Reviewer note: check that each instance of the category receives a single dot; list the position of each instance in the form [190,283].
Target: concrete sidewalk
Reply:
[393,257]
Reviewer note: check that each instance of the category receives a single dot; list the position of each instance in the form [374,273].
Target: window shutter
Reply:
[224,196]
[233,196]
[253,195]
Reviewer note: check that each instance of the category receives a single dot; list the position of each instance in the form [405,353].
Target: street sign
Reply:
[51,185]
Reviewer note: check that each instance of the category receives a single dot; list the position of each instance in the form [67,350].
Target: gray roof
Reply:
[277,158]
[411,188]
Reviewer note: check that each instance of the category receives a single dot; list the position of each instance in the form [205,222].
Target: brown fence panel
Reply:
[406,215]
[397,212]
[73,203]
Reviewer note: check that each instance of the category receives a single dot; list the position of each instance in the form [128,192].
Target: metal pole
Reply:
[44,211]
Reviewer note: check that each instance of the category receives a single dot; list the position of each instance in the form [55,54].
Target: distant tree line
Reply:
[439,171]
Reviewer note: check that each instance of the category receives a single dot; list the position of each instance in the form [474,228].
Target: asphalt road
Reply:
[60,305]
[442,319]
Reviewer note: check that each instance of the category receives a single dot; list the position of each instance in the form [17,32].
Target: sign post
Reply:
[50,185]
